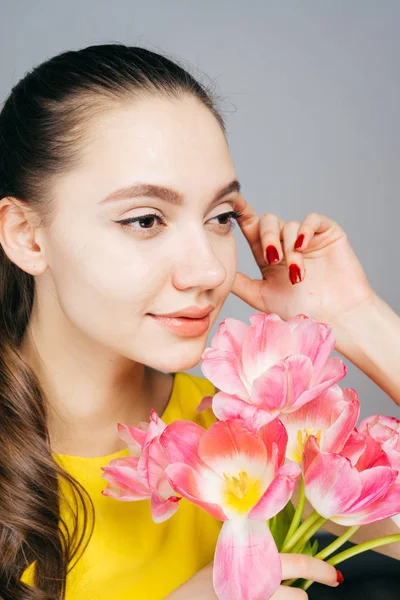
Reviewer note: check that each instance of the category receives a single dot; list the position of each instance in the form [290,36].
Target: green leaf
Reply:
[279,525]
[311,549]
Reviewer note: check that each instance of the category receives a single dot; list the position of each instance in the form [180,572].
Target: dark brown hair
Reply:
[44,126]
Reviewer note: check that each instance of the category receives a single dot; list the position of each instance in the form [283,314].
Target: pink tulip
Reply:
[238,477]
[331,417]
[386,431]
[354,487]
[268,368]
[141,476]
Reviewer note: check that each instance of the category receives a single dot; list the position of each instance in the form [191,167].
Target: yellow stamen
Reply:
[241,492]
[301,439]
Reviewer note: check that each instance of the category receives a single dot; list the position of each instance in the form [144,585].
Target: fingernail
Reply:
[272,254]
[299,241]
[294,274]
[339,576]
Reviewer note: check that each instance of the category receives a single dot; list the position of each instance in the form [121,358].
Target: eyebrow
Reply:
[164,193]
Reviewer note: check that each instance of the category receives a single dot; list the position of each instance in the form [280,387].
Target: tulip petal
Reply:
[392,451]
[313,339]
[282,387]
[299,374]
[333,371]
[338,433]
[269,391]
[122,492]
[223,369]
[205,403]
[133,437]
[354,447]
[331,417]
[277,494]
[164,488]
[161,509]
[204,489]
[156,427]
[227,447]
[385,507]
[375,483]
[382,426]
[152,463]
[274,433]
[180,442]
[373,455]
[124,482]
[331,483]
[122,472]
[230,336]
[267,342]
[246,563]
[229,407]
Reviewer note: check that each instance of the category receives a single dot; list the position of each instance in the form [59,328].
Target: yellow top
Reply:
[129,556]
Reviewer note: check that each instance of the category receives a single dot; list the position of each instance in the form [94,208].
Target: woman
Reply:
[95,252]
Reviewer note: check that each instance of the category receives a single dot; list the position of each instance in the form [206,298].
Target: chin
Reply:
[180,356]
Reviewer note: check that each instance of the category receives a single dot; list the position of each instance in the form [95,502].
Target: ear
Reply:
[19,236]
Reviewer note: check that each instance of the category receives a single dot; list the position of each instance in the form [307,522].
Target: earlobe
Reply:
[18,236]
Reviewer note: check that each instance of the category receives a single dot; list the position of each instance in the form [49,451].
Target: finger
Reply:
[270,233]
[289,593]
[308,567]
[249,223]
[249,290]
[313,223]
[293,259]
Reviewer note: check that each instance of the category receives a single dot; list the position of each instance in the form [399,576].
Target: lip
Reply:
[184,326]
[192,312]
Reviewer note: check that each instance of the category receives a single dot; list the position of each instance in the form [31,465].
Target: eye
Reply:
[146,222]
[228,219]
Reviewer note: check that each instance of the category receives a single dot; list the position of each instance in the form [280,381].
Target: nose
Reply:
[198,265]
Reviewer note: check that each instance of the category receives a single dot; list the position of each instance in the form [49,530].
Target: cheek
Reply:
[104,292]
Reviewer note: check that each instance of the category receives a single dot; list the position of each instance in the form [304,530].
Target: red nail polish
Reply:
[299,241]
[294,274]
[339,576]
[272,254]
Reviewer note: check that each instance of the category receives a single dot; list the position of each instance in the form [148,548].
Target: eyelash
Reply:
[233,214]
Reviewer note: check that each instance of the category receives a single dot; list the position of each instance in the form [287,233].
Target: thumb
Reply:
[249,290]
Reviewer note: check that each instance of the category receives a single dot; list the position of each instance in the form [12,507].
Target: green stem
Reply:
[337,543]
[300,532]
[297,514]
[350,531]
[358,549]
[382,541]
[299,547]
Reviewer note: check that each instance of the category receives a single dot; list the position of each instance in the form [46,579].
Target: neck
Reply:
[88,390]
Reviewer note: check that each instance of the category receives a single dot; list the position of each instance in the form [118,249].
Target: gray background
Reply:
[311,94]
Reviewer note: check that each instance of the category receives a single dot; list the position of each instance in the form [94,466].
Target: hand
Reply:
[332,283]
[200,586]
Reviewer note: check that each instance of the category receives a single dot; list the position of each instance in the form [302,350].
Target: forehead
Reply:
[175,143]
[155,138]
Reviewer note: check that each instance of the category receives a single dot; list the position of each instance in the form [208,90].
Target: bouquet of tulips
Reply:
[282,421]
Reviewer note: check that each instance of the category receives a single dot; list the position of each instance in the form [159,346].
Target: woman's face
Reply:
[108,278]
